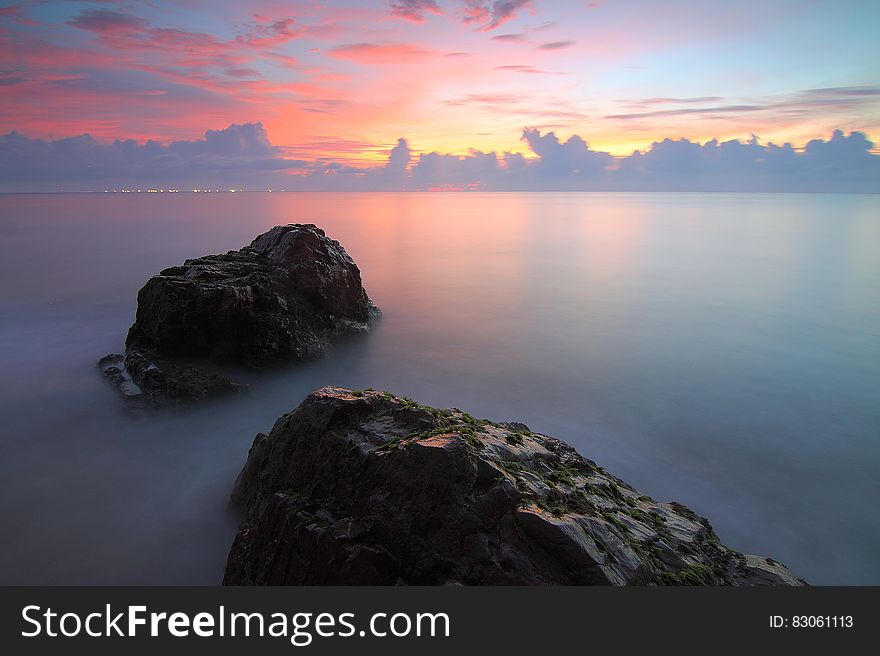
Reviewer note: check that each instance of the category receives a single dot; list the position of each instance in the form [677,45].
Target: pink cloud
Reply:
[16,14]
[264,35]
[522,68]
[378,53]
[414,10]
[492,14]
[242,72]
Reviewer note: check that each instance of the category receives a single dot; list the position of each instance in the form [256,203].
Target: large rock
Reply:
[283,298]
[368,488]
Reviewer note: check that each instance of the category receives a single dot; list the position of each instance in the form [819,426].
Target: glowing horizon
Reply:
[342,81]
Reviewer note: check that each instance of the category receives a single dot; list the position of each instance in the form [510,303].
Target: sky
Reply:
[445,94]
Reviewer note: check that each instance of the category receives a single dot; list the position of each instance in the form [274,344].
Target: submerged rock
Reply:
[283,298]
[145,381]
[369,488]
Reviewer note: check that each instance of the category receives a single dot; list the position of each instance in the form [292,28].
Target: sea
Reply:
[720,350]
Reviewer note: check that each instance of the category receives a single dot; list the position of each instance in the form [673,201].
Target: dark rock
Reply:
[162,382]
[369,488]
[283,298]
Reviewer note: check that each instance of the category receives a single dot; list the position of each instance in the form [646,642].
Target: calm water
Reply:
[720,350]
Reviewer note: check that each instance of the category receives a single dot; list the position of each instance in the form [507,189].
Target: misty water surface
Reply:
[719,350]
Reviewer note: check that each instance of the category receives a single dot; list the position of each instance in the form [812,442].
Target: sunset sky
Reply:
[346,79]
[342,81]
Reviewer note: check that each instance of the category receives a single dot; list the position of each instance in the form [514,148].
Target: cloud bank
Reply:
[243,157]
[239,153]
